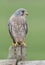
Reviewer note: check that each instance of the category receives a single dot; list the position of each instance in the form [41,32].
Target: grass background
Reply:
[36,23]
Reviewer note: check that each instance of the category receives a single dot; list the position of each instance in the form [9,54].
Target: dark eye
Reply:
[23,11]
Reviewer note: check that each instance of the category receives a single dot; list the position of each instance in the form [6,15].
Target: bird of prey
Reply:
[18,27]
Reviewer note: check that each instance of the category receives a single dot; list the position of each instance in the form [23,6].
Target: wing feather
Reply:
[10,28]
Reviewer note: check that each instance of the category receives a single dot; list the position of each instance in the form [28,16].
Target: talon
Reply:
[23,43]
[15,44]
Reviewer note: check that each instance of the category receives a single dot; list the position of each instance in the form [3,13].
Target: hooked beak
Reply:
[26,13]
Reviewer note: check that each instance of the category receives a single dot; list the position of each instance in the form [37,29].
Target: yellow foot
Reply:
[15,44]
[23,43]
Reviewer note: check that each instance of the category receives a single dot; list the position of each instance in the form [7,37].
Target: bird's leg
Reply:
[23,43]
[15,44]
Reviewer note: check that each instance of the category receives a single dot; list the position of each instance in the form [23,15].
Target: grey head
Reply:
[21,12]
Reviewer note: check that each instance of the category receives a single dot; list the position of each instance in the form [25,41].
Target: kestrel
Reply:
[18,27]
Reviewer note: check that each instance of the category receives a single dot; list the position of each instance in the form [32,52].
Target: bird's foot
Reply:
[15,44]
[23,43]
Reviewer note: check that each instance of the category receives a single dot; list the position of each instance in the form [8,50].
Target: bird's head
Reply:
[21,12]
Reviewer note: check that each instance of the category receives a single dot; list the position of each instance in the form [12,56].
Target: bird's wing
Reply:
[26,27]
[10,28]
[13,27]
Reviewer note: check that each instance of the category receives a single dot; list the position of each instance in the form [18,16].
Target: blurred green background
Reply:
[35,39]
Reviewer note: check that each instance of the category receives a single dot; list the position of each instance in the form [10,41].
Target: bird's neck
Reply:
[23,17]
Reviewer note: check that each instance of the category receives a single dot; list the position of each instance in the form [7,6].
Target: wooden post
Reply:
[18,53]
